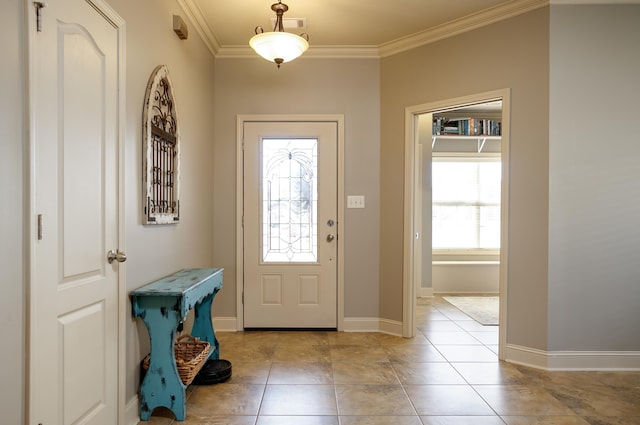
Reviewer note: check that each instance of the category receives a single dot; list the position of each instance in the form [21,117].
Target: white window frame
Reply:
[466,255]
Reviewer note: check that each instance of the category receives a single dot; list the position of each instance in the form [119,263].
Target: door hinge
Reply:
[242,297]
[39,6]
[39,231]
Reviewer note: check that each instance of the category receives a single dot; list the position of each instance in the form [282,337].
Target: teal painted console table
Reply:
[163,305]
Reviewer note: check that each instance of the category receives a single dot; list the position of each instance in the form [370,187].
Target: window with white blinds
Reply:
[466,204]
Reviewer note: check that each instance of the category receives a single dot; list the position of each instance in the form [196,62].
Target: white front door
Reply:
[290,224]
[73,341]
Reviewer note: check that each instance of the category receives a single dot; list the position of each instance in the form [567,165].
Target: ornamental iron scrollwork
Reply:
[161,155]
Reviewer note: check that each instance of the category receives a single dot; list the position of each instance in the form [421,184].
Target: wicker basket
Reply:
[190,354]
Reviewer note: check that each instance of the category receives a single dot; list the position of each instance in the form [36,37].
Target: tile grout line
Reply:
[450,363]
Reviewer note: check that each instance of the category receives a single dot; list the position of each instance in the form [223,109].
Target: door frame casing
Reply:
[31,230]
[412,206]
[240,121]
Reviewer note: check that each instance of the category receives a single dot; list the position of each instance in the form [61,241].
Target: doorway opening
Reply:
[456,188]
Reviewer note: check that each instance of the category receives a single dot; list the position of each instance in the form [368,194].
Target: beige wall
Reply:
[305,86]
[156,251]
[12,179]
[511,54]
[465,278]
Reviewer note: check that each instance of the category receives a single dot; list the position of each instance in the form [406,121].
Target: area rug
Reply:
[483,310]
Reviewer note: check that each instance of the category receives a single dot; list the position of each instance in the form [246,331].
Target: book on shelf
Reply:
[443,126]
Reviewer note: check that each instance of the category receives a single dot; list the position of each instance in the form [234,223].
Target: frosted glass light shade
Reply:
[278,45]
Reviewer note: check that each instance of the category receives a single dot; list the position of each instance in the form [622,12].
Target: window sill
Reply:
[465,263]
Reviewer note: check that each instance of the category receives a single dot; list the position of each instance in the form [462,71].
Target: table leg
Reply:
[203,326]
[162,385]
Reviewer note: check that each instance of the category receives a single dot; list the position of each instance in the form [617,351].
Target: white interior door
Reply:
[73,343]
[290,224]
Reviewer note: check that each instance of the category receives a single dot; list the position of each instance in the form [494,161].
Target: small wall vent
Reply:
[291,23]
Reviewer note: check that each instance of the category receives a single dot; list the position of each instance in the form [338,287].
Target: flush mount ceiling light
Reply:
[279,46]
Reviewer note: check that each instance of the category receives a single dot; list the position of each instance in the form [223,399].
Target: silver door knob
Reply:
[330,237]
[120,257]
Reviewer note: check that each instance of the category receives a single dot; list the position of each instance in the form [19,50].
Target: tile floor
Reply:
[448,375]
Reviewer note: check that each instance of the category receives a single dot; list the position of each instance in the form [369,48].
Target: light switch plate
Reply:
[354,201]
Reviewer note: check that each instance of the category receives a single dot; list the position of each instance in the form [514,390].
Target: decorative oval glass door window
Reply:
[161,151]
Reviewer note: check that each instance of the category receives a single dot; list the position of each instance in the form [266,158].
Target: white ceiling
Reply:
[349,27]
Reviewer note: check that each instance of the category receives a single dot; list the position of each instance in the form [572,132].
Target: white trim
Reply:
[30,207]
[196,18]
[526,356]
[594,360]
[314,52]
[350,324]
[466,156]
[408,277]
[461,25]
[390,327]
[573,360]
[239,224]
[457,26]
[425,292]
[470,293]
[240,120]
[132,412]
[592,2]
[505,151]
[225,324]
[465,263]
[373,324]
[361,324]
[123,311]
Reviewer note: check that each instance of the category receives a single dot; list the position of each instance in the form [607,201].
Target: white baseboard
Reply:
[391,327]
[425,292]
[574,360]
[526,356]
[132,412]
[372,324]
[351,324]
[361,324]
[225,324]
[467,293]
[539,359]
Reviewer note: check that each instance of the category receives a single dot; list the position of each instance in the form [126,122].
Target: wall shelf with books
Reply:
[465,126]
[465,133]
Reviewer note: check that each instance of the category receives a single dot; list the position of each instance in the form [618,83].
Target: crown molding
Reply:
[458,26]
[322,52]
[592,2]
[464,24]
[195,16]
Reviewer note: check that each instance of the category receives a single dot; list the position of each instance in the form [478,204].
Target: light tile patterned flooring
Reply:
[448,374]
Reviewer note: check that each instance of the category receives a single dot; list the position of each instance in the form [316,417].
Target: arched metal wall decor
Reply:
[161,151]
